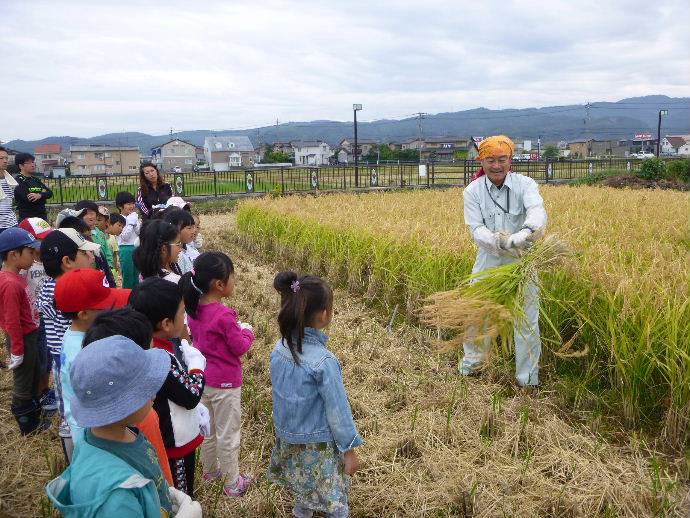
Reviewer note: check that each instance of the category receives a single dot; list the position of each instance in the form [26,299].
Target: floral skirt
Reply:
[313,473]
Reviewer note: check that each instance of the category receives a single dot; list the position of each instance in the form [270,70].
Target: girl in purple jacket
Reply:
[223,340]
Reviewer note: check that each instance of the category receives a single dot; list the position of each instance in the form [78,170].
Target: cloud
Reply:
[85,68]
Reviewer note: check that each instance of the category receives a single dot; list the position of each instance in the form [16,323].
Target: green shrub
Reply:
[679,169]
[652,169]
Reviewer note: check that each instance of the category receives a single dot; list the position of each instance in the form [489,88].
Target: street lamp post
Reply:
[355,109]
[658,131]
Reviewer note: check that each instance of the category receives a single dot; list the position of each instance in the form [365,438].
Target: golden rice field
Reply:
[436,445]
[622,299]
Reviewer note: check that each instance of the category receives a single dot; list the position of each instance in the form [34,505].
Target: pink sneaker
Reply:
[214,475]
[239,487]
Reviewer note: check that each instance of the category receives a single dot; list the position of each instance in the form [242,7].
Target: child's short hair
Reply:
[178,217]
[156,298]
[126,322]
[117,218]
[301,298]
[123,197]
[75,223]
[154,235]
[86,204]
[208,267]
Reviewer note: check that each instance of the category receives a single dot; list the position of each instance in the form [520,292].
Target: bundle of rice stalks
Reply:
[488,304]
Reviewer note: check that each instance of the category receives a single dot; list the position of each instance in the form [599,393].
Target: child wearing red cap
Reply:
[81,295]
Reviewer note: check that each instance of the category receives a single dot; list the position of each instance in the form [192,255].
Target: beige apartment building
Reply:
[104,160]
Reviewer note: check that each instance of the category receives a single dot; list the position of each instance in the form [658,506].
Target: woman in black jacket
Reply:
[152,189]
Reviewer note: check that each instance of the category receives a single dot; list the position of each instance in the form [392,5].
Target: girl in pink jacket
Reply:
[223,340]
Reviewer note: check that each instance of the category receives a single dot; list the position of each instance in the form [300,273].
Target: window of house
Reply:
[99,167]
[107,155]
[231,145]
[80,156]
[132,168]
[188,161]
[219,145]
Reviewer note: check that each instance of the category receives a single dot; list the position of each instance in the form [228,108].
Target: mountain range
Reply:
[597,120]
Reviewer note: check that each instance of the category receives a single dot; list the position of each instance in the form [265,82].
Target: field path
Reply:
[435,444]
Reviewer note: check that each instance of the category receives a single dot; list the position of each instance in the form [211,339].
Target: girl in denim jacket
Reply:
[316,435]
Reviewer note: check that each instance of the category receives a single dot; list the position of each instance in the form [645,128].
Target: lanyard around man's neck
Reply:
[488,191]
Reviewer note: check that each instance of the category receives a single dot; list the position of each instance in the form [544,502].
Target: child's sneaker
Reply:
[239,487]
[49,401]
[214,475]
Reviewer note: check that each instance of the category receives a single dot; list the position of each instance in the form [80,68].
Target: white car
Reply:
[177,169]
[643,155]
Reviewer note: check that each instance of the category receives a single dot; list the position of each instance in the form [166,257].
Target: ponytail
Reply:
[208,267]
[301,299]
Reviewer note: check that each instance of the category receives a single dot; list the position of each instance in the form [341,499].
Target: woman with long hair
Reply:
[152,189]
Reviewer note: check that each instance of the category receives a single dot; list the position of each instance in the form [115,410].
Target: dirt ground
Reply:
[435,444]
[635,182]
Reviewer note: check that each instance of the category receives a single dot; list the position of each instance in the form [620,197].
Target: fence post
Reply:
[433,174]
[546,171]
[62,201]
[464,173]
[215,184]
[402,181]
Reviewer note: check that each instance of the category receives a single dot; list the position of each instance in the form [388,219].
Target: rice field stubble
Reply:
[435,444]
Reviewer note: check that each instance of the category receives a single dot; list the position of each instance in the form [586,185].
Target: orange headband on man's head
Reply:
[498,145]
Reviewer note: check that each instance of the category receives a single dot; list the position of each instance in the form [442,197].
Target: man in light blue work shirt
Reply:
[504,212]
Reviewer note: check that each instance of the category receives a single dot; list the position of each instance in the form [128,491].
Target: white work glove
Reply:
[204,420]
[192,356]
[182,504]
[132,219]
[15,361]
[245,325]
[487,240]
[519,240]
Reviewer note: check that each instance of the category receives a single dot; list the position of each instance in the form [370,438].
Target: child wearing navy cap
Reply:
[20,322]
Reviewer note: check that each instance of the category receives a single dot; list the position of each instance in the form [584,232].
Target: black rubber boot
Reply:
[28,416]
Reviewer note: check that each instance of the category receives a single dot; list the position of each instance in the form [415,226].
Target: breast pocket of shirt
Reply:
[514,219]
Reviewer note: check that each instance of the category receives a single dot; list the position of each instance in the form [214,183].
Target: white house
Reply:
[684,150]
[311,152]
[671,144]
[224,153]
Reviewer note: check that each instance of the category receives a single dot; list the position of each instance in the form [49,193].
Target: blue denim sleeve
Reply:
[338,412]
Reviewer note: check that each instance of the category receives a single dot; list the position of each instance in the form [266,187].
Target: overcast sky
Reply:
[84,68]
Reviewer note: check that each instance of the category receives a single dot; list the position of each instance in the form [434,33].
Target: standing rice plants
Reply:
[622,301]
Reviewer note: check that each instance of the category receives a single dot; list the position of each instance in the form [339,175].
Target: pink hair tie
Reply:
[294,286]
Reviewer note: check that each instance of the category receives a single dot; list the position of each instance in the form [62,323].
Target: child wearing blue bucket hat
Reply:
[115,470]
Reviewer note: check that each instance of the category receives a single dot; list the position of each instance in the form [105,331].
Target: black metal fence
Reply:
[216,184]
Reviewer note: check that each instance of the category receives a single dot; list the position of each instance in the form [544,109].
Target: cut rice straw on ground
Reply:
[487,304]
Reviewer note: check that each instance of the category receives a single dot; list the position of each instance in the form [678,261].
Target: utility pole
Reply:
[420,116]
[355,109]
[658,131]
